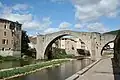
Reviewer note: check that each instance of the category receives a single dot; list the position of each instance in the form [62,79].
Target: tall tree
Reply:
[24,43]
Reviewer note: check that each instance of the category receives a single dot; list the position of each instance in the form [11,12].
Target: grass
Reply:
[22,70]
[8,58]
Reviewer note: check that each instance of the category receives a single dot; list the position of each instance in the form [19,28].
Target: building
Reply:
[71,45]
[10,38]
[69,42]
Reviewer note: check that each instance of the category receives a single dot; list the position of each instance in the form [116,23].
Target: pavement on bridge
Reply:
[106,69]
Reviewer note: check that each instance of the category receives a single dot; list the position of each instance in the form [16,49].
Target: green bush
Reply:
[9,58]
[61,53]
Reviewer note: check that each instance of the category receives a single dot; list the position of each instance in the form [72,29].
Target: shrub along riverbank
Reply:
[8,58]
[19,71]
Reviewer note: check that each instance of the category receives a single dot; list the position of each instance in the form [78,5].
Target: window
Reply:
[5,26]
[97,47]
[3,41]
[12,41]
[72,47]
[100,38]
[3,49]
[4,33]
[12,33]
[7,42]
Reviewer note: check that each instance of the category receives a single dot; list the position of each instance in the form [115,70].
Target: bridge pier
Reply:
[40,47]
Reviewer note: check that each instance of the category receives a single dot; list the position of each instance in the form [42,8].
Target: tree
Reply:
[24,42]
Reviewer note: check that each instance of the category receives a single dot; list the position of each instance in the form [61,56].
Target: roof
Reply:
[1,19]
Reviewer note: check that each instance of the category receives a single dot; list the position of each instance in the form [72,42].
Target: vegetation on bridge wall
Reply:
[60,53]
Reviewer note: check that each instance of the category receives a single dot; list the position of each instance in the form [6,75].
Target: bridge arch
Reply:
[44,41]
[49,43]
[105,46]
[94,41]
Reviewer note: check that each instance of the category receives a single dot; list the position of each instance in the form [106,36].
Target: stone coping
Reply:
[81,72]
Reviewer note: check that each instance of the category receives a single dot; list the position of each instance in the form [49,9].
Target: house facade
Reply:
[71,45]
[10,38]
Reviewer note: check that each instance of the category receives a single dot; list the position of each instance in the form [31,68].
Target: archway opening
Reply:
[108,49]
[66,46]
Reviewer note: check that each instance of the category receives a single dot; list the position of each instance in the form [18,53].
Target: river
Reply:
[57,73]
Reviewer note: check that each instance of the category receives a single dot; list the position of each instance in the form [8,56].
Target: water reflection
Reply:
[57,73]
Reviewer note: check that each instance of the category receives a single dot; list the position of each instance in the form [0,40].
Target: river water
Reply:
[57,73]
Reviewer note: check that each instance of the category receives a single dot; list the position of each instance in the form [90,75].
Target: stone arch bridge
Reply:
[94,41]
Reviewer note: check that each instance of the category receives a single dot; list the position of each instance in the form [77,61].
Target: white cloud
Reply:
[46,22]
[7,13]
[18,17]
[20,7]
[88,10]
[78,26]
[26,19]
[51,30]
[96,27]
[31,25]
[64,25]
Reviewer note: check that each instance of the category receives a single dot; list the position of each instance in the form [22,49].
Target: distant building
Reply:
[64,43]
[10,38]
[71,45]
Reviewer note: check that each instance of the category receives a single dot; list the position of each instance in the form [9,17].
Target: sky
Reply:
[48,16]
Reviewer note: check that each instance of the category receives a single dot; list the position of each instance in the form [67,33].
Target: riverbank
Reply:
[20,71]
[81,72]
[8,58]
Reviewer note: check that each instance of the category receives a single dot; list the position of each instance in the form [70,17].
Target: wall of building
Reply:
[10,53]
[70,45]
[10,38]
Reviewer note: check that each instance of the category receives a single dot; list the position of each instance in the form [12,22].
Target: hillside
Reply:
[112,32]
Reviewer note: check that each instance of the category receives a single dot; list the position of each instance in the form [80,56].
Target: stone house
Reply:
[10,38]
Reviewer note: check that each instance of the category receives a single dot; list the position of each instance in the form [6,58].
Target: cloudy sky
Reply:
[46,16]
